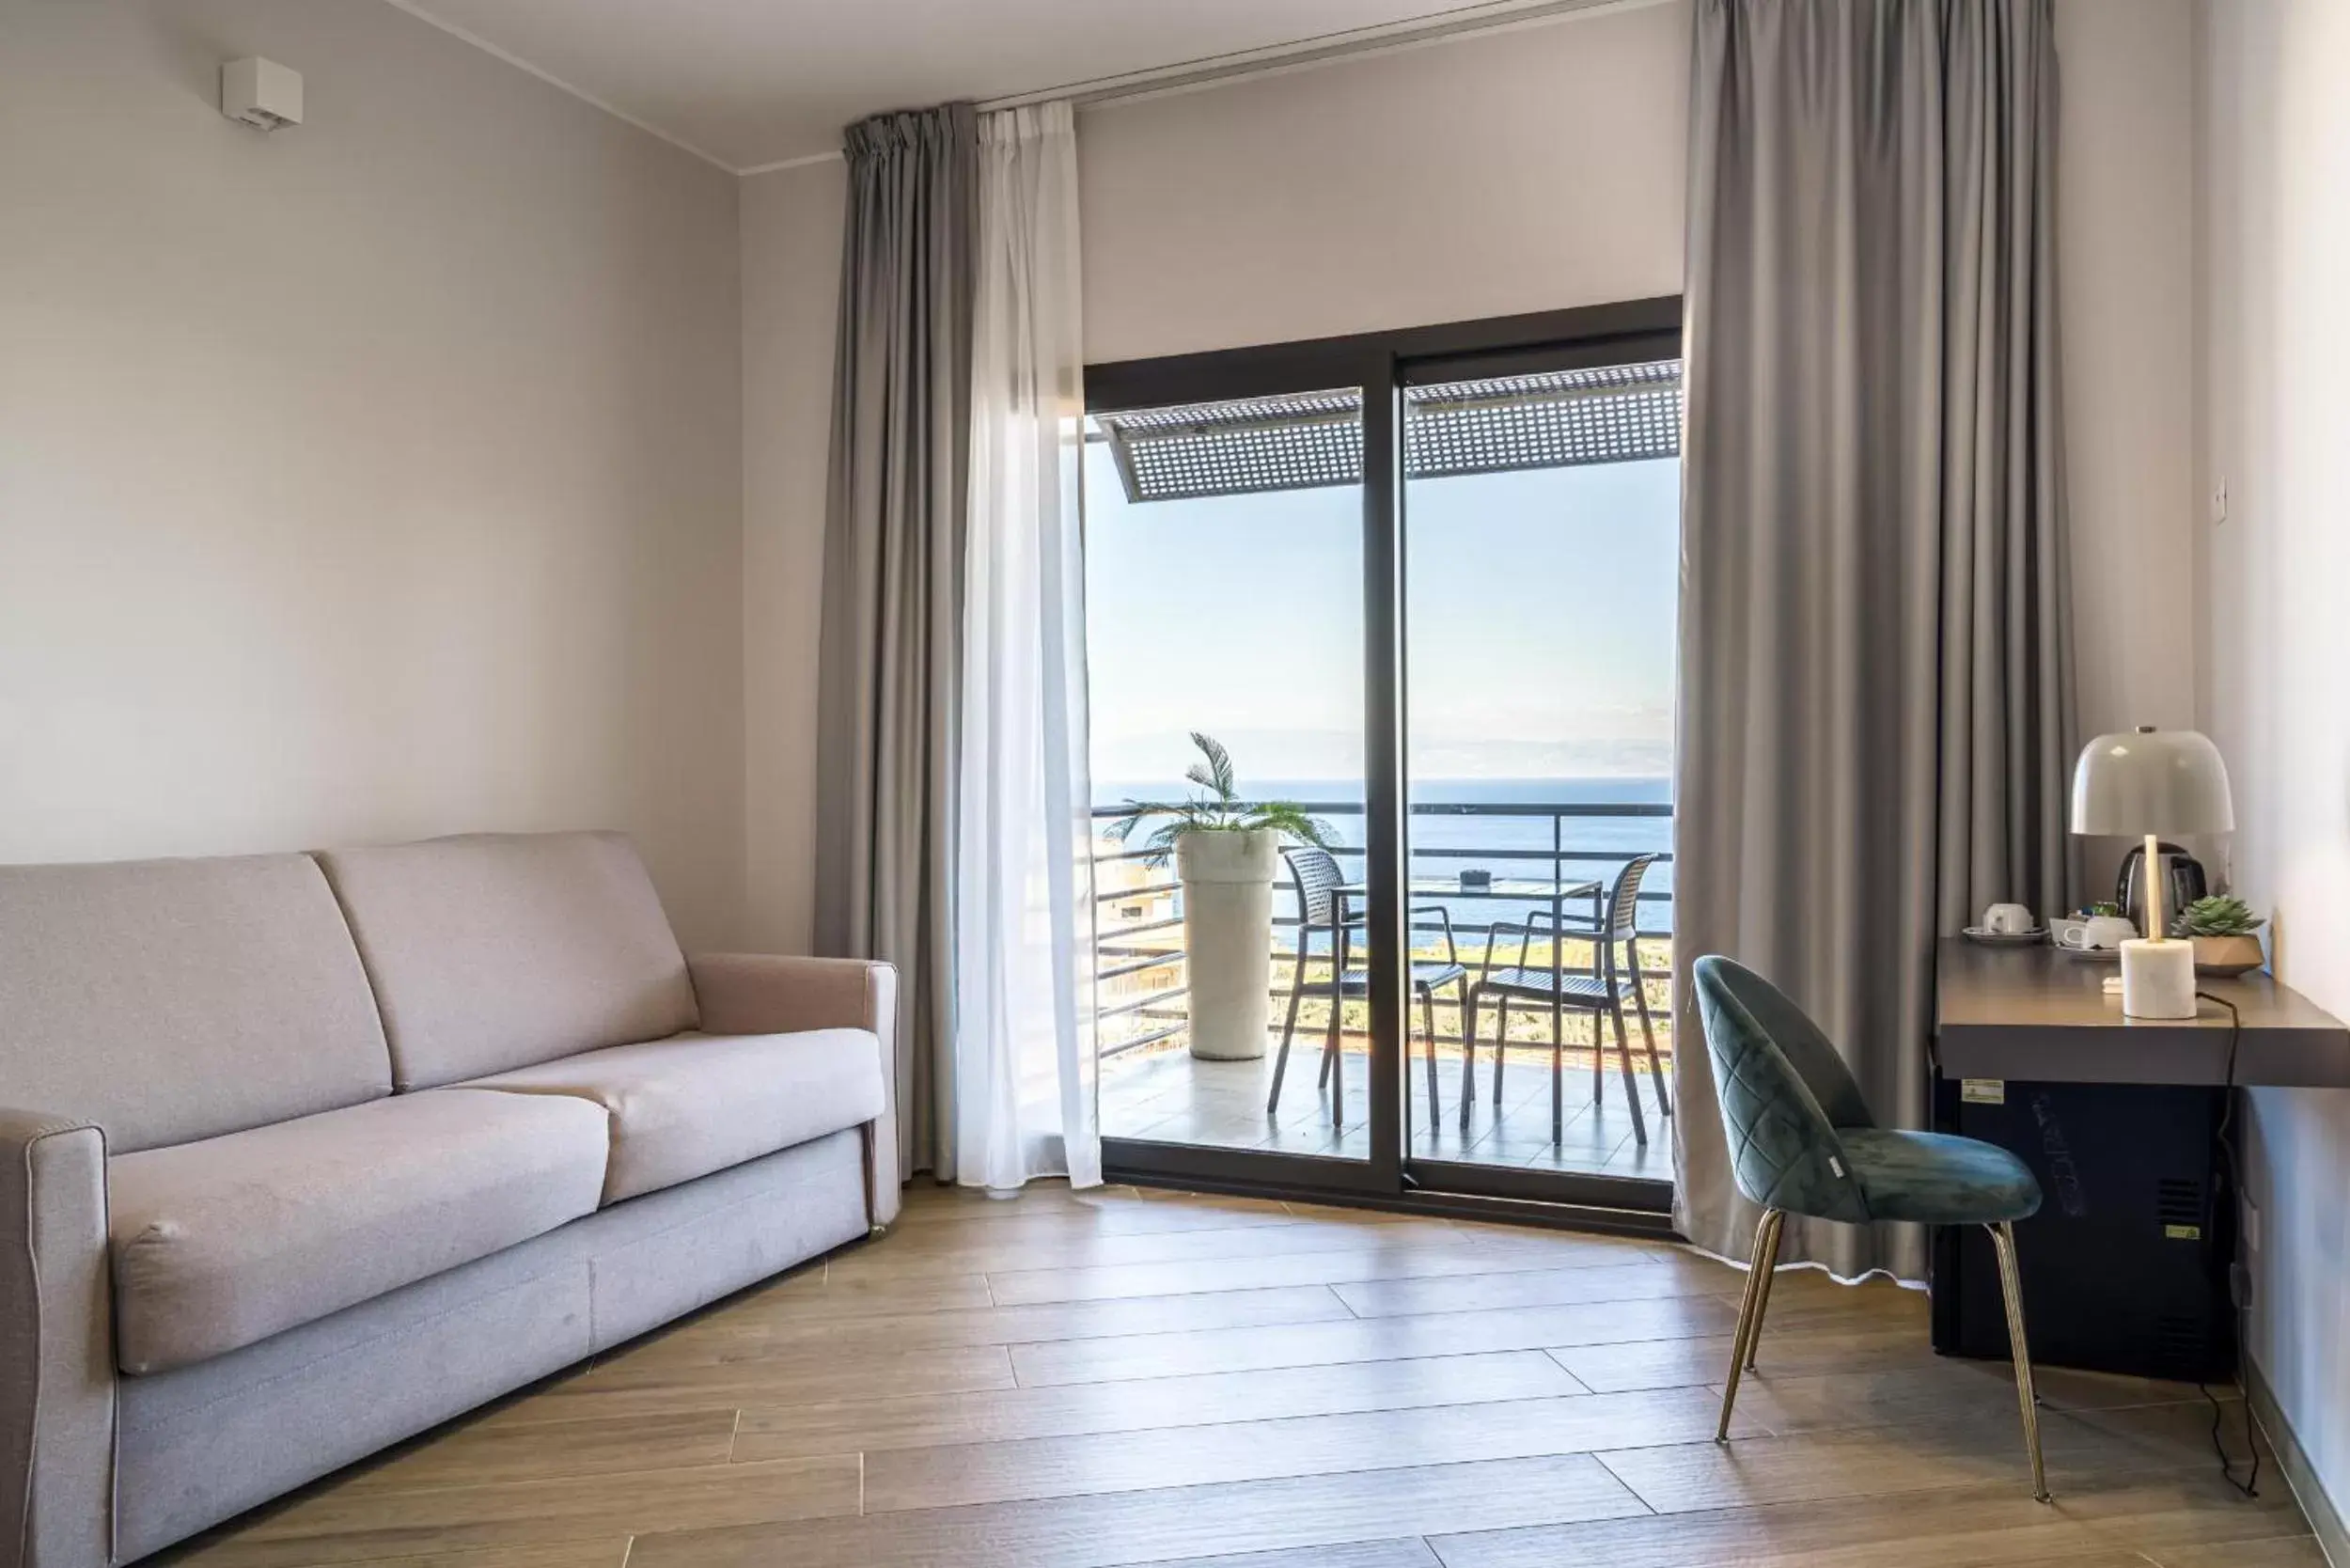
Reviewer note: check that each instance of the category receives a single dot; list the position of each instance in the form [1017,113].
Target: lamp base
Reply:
[2157,978]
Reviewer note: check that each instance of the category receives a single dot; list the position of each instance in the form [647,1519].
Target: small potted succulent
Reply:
[1226,851]
[2224,932]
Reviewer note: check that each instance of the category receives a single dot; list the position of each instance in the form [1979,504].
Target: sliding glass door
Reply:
[1406,600]
[1224,573]
[1541,524]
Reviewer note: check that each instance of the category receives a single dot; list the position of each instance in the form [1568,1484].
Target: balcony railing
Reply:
[1121,948]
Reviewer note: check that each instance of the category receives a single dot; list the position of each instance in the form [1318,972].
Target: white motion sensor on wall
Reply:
[260,93]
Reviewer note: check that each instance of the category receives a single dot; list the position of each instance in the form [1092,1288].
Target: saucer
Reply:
[1989,938]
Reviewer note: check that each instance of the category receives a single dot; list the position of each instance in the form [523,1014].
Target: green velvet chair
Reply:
[1802,1142]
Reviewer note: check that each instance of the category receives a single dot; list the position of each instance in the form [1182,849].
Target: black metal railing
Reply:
[1116,955]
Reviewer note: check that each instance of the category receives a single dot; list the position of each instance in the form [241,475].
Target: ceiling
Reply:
[753,82]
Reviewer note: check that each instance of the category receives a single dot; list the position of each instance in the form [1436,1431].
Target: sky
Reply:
[1538,626]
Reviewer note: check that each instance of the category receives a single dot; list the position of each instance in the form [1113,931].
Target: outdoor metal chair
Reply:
[1323,907]
[1603,992]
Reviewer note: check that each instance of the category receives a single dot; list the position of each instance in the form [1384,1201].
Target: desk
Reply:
[2035,1014]
[2126,1264]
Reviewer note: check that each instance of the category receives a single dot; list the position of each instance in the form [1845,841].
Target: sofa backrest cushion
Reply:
[495,950]
[169,1001]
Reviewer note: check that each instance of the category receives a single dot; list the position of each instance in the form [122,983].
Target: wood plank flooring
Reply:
[1104,1379]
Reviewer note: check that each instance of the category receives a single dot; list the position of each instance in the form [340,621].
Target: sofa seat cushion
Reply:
[220,1244]
[692,1103]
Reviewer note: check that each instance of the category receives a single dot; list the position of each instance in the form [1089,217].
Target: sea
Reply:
[1442,845]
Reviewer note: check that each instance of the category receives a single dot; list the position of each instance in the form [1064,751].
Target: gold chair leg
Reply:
[1769,1269]
[1765,1234]
[2011,1288]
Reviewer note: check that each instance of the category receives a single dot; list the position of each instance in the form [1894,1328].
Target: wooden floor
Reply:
[1166,1095]
[1079,1381]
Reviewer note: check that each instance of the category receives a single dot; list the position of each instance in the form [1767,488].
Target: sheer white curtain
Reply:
[1024,885]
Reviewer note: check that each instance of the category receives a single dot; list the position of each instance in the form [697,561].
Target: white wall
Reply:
[791,233]
[1528,170]
[2125,236]
[376,479]
[1523,170]
[2273,151]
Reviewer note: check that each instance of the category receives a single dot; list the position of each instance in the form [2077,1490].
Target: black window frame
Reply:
[1381,365]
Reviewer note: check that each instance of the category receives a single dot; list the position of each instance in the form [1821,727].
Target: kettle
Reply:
[2182,882]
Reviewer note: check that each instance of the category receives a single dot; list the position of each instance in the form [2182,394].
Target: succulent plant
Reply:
[2218,916]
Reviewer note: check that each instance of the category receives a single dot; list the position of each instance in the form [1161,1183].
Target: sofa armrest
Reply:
[778,994]
[56,1345]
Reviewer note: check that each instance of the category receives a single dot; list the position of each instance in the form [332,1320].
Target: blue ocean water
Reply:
[1441,845]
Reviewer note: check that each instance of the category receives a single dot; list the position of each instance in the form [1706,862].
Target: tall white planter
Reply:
[1227,933]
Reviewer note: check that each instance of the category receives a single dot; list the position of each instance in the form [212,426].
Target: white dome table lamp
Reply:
[2160,783]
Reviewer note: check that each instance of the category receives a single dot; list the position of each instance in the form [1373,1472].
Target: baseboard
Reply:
[2307,1490]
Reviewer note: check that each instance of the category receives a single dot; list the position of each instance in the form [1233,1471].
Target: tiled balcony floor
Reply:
[1162,1094]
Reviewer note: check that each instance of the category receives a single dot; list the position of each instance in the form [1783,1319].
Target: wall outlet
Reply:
[2218,502]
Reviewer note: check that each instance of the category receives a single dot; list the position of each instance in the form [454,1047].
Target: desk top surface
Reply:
[2033,1014]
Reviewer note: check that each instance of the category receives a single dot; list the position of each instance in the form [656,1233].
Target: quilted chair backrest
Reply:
[1783,1092]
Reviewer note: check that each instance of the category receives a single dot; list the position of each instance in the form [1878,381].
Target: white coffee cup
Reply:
[2006,919]
[2098,931]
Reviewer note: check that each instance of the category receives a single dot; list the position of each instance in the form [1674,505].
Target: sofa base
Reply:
[202,1443]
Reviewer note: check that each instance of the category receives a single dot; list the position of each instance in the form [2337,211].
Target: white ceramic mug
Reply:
[2006,919]
[2098,931]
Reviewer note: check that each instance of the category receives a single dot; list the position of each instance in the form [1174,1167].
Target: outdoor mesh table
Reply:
[1506,889]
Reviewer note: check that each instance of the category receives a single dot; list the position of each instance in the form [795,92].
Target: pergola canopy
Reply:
[1302,441]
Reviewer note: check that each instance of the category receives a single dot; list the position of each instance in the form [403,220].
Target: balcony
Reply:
[1153,1087]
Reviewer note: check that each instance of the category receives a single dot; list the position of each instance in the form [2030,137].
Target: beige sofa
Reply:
[302,1155]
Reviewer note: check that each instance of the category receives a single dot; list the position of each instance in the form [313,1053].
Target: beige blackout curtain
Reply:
[1876,710]
[889,686]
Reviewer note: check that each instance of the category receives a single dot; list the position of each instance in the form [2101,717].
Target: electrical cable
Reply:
[2250,1486]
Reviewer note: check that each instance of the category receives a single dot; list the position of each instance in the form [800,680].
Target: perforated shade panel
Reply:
[1290,443]
[1302,441]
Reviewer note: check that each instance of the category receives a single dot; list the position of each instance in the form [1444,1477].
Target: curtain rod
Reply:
[1493,16]
[1490,17]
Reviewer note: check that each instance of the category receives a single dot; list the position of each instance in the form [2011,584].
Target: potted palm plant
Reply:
[1226,853]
